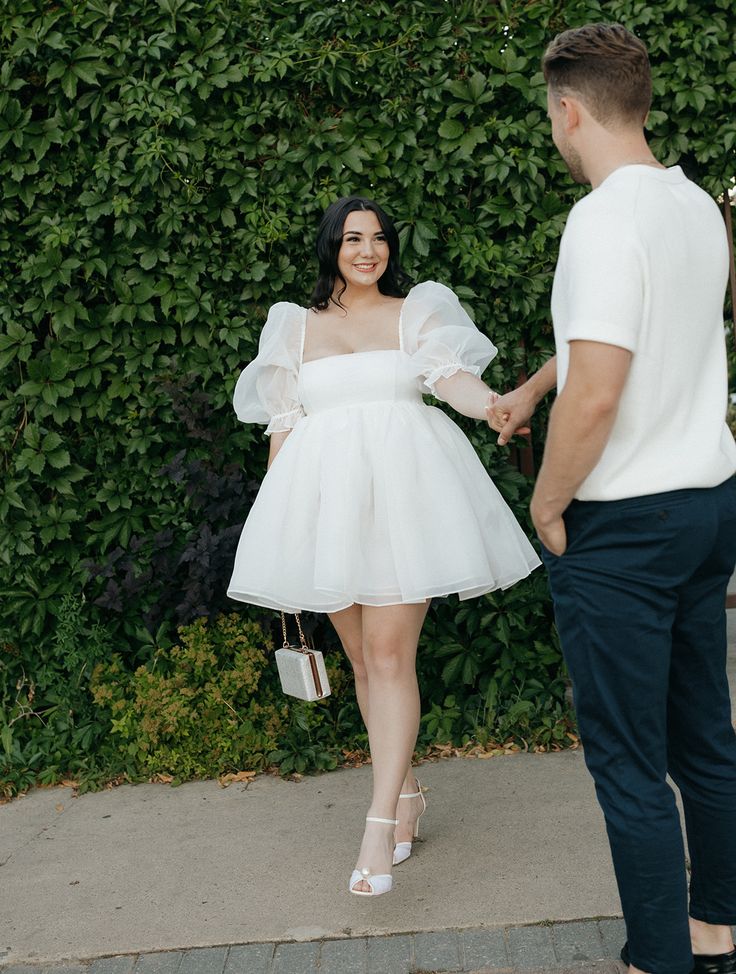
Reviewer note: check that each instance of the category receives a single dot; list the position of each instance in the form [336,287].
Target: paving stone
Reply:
[344,956]
[587,967]
[437,951]
[295,958]
[578,941]
[390,955]
[249,959]
[204,960]
[613,933]
[483,948]
[162,962]
[72,968]
[122,964]
[20,969]
[530,947]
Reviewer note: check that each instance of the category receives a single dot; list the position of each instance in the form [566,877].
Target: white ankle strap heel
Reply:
[379,884]
[402,850]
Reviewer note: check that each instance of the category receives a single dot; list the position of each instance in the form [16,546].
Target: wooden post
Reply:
[523,456]
[728,217]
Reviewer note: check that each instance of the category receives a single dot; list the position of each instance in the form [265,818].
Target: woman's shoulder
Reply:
[429,296]
[282,331]
[283,309]
[284,316]
[431,289]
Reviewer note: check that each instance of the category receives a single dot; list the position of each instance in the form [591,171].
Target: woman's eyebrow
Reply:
[359,233]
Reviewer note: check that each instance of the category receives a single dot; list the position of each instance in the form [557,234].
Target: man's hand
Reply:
[550,527]
[509,414]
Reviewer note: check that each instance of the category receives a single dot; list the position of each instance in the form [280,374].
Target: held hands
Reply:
[509,414]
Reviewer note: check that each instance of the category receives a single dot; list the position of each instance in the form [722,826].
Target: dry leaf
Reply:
[227,779]
[60,807]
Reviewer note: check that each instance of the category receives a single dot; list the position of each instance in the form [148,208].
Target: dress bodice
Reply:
[436,339]
[357,378]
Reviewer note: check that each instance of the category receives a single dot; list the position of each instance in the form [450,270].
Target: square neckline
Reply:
[365,351]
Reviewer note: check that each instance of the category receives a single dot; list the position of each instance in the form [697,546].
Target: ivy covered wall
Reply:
[163,168]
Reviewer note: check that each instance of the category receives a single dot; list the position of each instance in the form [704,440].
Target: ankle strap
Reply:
[383,821]
[411,794]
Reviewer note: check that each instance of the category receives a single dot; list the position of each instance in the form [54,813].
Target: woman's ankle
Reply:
[410,783]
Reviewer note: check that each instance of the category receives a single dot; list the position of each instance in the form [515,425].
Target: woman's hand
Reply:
[509,414]
[276,441]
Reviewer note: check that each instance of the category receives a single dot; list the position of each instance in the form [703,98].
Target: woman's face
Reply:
[364,253]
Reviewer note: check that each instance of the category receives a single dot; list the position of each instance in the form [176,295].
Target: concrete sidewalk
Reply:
[507,841]
[513,874]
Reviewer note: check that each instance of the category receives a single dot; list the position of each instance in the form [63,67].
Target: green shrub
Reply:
[50,727]
[162,171]
[212,704]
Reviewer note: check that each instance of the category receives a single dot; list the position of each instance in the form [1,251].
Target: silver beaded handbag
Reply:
[301,669]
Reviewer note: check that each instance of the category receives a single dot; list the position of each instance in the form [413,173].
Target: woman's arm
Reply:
[276,442]
[466,393]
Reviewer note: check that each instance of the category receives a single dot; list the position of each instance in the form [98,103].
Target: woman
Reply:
[373,502]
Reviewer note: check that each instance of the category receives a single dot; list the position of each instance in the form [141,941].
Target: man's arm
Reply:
[580,424]
[511,412]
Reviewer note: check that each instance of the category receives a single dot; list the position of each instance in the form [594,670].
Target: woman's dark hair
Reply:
[393,281]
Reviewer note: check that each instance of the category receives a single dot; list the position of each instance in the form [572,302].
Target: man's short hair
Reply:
[606,66]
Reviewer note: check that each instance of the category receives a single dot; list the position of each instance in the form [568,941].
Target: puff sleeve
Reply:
[440,337]
[266,391]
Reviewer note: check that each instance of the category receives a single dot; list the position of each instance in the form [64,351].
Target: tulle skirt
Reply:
[378,503]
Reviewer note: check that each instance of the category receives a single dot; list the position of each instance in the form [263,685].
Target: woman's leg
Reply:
[390,637]
[348,625]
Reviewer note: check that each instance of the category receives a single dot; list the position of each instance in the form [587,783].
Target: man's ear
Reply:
[571,113]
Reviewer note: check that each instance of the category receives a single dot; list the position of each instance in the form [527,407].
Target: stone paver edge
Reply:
[73,964]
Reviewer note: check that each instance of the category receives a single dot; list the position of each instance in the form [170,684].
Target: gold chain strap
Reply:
[299,627]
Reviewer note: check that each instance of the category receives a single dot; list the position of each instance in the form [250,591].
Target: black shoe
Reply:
[704,963]
[715,963]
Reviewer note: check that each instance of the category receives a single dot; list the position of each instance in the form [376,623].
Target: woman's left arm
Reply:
[466,393]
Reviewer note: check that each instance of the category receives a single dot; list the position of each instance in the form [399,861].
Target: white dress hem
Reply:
[468,589]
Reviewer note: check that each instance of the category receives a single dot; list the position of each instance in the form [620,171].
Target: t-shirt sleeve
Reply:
[440,336]
[603,279]
[266,391]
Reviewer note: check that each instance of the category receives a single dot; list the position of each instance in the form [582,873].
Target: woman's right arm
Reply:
[276,442]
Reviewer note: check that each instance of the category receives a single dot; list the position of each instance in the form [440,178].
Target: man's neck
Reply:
[616,154]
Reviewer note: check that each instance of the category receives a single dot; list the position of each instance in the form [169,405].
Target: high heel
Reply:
[383,882]
[402,850]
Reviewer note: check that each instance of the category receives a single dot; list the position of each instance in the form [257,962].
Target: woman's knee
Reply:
[354,652]
[388,659]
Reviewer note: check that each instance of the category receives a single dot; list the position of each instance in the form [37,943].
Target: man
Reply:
[635,503]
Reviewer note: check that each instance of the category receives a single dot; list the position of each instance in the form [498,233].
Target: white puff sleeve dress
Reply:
[375,497]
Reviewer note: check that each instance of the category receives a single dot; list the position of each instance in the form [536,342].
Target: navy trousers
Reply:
[639,599]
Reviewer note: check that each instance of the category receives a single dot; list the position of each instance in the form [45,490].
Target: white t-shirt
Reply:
[643,265]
